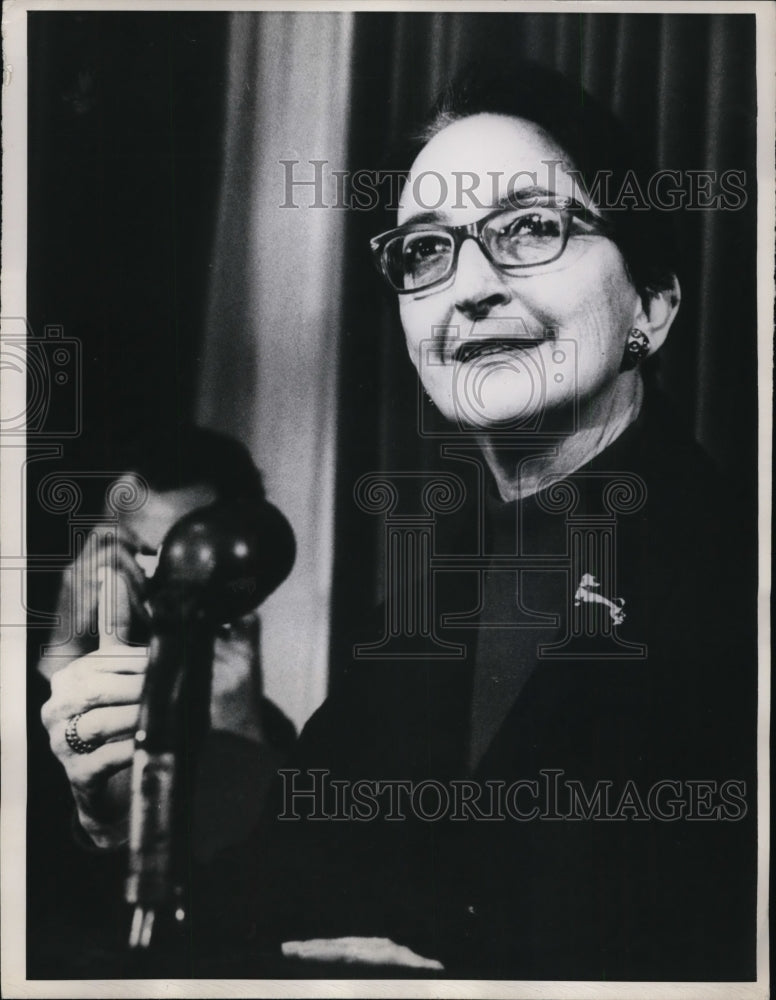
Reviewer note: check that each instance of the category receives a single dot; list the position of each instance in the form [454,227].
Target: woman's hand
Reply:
[98,697]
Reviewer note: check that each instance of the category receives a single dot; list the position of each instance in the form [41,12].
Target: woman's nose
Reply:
[479,286]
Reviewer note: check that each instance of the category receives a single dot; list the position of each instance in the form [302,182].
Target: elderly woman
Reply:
[561,783]
[568,792]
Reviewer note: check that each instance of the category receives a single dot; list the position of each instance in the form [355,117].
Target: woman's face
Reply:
[572,315]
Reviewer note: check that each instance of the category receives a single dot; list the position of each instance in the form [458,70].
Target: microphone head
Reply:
[220,562]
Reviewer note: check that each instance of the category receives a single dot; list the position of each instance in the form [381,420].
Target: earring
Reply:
[636,349]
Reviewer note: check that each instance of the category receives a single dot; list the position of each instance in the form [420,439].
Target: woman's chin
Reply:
[486,410]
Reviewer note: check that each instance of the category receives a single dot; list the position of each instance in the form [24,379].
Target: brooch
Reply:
[587,594]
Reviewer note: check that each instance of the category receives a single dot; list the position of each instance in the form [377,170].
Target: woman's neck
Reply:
[601,421]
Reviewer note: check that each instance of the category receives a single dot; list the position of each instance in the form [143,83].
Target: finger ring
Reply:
[74,741]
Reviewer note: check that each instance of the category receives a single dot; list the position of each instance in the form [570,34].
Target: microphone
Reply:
[215,565]
[225,559]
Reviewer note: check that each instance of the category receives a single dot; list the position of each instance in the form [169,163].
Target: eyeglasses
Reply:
[418,256]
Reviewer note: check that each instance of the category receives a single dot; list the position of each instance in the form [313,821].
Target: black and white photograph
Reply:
[386,434]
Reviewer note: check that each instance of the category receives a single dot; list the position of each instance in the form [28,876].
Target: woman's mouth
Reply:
[471,349]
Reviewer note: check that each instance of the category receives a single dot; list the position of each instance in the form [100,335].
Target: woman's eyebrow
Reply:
[422,217]
[525,196]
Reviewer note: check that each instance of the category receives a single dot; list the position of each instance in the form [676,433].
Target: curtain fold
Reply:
[270,362]
[289,286]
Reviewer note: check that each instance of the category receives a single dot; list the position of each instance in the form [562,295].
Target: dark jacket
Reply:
[617,874]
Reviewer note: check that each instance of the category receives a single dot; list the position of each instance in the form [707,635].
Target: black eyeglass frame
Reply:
[567,211]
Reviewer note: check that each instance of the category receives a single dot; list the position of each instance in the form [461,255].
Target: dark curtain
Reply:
[124,154]
[686,85]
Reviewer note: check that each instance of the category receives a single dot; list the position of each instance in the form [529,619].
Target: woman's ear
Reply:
[655,313]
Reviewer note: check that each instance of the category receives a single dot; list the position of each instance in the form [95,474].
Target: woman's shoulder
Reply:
[681,474]
[699,529]
[667,442]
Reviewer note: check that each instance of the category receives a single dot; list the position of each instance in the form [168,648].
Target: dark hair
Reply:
[184,454]
[590,134]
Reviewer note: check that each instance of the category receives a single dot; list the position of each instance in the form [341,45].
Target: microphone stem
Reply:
[174,716]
